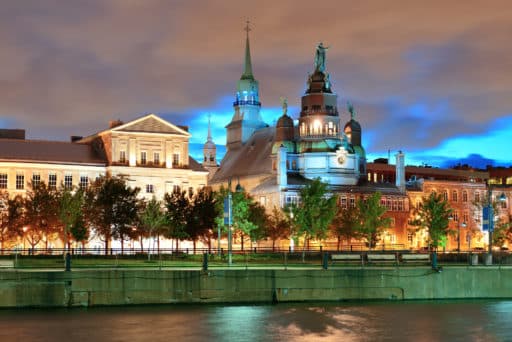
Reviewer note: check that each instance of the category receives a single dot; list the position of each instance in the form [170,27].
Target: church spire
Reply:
[247,75]
[209,138]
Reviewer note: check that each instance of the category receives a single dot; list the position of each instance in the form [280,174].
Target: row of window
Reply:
[144,158]
[317,128]
[36,180]
[455,197]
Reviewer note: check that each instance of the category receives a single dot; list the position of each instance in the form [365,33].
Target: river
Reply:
[353,321]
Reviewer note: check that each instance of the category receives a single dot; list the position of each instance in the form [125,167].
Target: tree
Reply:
[203,213]
[11,217]
[278,226]
[152,222]
[111,207]
[71,216]
[178,213]
[370,219]
[433,214]
[41,214]
[315,212]
[259,217]
[344,225]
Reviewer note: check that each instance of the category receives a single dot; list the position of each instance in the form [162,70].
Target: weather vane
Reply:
[247,27]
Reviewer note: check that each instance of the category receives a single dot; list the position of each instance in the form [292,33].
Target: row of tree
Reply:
[111,210]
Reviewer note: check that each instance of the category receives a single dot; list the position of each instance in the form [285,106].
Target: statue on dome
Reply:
[351,110]
[320,57]
[284,103]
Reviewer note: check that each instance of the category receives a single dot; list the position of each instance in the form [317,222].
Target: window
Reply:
[176,188]
[84,182]
[143,158]
[150,189]
[445,195]
[52,181]
[156,158]
[455,216]
[343,202]
[352,202]
[190,192]
[175,159]
[409,237]
[263,200]
[477,196]
[464,196]
[36,180]
[3,180]
[20,181]
[122,156]
[68,181]
[465,217]
[291,199]
[455,196]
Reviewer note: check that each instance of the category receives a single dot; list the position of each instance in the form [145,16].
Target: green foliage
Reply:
[371,222]
[71,215]
[278,226]
[41,213]
[258,216]
[111,207]
[152,218]
[203,214]
[433,214]
[178,212]
[345,224]
[315,212]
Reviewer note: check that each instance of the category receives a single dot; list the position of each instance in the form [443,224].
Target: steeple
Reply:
[247,75]
[209,149]
[246,119]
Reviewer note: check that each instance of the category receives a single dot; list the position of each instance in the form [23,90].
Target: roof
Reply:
[150,123]
[48,152]
[194,165]
[251,159]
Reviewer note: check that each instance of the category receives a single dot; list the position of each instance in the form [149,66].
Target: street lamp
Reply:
[459,224]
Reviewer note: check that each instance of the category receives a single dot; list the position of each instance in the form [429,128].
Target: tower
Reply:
[246,118]
[210,153]
[319,120]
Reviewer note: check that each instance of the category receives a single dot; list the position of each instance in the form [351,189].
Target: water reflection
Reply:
[389,321]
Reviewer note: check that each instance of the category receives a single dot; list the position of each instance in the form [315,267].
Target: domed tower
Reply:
[284,127]
[247,104]
[210,153]
[319,120]
[323,150]
[353,133]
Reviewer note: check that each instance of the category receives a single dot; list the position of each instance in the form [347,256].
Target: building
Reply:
[273,163]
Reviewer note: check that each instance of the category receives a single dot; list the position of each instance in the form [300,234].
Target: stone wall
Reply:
[127,287]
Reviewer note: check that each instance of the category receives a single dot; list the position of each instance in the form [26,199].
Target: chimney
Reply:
[400,171]
[114,123]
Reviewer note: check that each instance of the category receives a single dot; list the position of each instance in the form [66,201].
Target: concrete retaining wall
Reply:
[20,288]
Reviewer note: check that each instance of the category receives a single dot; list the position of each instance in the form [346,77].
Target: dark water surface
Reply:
[382,321]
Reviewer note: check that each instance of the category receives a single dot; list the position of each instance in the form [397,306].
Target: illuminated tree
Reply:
[111,208]
[370,220]
[11,218]
[152,221]
[344,225]
[315,212]
[178,213]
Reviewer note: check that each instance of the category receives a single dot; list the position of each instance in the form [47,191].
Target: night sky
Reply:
[431,78]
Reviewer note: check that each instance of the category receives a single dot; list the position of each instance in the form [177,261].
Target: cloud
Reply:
[430,76]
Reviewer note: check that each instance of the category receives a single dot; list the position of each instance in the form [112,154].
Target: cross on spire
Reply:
[247,28]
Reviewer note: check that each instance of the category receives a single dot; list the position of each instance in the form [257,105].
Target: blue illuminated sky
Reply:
[430,78]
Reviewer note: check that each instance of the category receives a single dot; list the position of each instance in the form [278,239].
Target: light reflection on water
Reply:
[381,321]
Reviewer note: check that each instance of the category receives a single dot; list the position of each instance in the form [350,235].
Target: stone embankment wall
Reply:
[23,288]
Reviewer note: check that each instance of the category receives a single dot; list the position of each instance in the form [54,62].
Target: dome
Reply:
[354,125]
[285,121]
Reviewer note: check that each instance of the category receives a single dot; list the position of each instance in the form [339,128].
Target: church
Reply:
[273,163]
